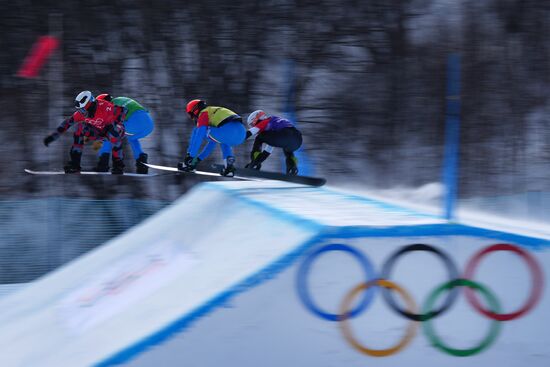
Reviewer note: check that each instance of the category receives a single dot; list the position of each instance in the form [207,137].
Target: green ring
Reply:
[434,339]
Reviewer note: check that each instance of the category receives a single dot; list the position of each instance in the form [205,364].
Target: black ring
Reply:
[453,274]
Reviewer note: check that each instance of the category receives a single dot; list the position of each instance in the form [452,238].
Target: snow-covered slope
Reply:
[213,280]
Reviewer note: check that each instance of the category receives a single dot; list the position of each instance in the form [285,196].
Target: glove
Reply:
[254,165]
[257,159]
[48,139]
[96,145]
[189,164]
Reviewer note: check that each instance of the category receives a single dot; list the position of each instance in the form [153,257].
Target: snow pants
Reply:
[138,126]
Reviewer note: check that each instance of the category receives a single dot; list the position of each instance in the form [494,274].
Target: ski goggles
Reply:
[83,111]
[80,109]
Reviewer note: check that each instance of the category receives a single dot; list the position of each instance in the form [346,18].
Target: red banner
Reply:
[39,54]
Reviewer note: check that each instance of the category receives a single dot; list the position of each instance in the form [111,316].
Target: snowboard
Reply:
[304,180]
[203,172]
[131,174]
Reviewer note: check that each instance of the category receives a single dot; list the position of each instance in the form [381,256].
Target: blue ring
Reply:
[303,288]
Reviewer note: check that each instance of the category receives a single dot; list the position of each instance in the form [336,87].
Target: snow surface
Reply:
[269,326]
[211,280]
[141,281]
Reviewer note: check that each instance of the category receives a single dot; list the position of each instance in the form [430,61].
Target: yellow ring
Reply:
[345,311]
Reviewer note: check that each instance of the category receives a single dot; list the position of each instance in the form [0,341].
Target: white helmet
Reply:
[83,101]
[256,117]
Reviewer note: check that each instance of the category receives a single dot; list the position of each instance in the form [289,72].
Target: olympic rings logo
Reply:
[451,287]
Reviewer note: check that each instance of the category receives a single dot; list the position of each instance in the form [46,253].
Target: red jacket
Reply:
[105,114]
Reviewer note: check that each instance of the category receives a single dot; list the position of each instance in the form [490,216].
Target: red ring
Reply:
[536,288]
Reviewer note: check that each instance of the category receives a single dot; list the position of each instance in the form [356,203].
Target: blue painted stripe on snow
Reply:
[443,229]
[352,197]
[438,229]
[269,272]
[379,204]
[295,219]
[285,261]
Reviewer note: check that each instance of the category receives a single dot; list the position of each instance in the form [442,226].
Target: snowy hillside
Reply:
[222,275]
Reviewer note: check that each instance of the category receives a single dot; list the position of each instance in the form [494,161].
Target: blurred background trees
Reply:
[368,77]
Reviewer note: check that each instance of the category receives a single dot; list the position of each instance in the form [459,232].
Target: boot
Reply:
[103,163]
[118,167]
[256,159]
[189,164]
[140,167]
[291,165]
[229,169]
[73,166]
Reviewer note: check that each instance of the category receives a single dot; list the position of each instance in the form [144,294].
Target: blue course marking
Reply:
[442,229]
[436,229]
[379,204]
[276,212]
[285,261]
[267,273]
[294,217]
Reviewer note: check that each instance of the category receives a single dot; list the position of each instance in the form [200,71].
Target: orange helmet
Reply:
[105,97]
[194,107]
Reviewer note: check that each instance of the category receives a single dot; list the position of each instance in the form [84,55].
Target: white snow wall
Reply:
[270,326]
[169,270]
[195,257]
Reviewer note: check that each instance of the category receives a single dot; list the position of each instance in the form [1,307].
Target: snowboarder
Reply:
[217,125]
[95,119]
[273,131]
[138,124]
